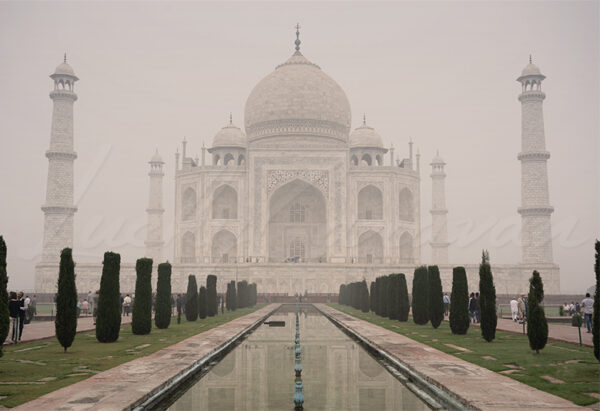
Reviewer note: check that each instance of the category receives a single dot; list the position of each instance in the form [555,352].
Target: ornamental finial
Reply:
[65,59]
[230,119]
[530,60]
[364,119]
[297,42]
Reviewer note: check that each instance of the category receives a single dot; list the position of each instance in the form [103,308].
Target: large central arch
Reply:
[297,224]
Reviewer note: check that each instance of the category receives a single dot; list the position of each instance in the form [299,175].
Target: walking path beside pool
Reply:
[122,386]
[39,330]
[475,386]
[556,332]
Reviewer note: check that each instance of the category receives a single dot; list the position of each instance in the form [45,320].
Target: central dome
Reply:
[297,98]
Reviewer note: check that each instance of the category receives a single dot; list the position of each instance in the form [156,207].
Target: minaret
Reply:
[535,210]
[439,225]
[59,209]
[154,236]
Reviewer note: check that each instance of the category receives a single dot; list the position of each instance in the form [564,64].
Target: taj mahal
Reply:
[300,199]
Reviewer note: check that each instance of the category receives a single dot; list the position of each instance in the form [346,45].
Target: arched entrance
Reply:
[297,224]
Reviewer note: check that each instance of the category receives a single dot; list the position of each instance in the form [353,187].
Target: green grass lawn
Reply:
[41,367]
[574,365]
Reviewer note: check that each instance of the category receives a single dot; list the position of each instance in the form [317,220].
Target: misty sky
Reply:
[441,73]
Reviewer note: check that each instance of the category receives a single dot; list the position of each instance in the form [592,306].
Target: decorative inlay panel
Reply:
[319,178]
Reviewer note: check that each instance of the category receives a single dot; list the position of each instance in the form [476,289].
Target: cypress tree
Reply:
[487,299]
[242,294]
[65,323]
[404,304]
[228,297]
[384,296]
[162,317]
[596,316]
[4,315]
[211,295]
[233,304]
[420,292]
[108,320]
[254,294]
[537,326]
[379,302]
[392,296]
[436,296]
[141,317]
[365,297]
[202,303]
[191,299]
[459,302]
[372,296]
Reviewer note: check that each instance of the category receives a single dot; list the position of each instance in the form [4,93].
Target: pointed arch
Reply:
[379,159]
[354,160]
[370,203]
[188,210]
[225,203]
[216,160]
[370,248]
[366,159]
[406,248]
[406,205]
[188,247]
[241,160]
[224,247]
[228,159]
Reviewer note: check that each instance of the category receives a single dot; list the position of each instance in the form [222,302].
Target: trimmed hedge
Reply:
[537,326]
[487,299]
[162,317]
[65,324]
[108,320]
[202,303]
[141,317]
[191,299]
[435,297]
[459,302]
[404,303]
[211,295]
[4,314]
[420,296]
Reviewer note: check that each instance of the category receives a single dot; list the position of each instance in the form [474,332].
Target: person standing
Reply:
[514,309]
[472,307]
[587,304]
[95,305]
[446,304]
[13,310]
[85,306]
[90,299]
[126,304]
[22,311]
[521,303]
[477,309]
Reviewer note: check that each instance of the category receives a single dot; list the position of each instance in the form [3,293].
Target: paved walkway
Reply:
[557,332]
[475,386]
[39,330]
[121,386]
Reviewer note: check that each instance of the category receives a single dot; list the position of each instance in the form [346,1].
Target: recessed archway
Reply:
[406,205]
[188,211]
[224,247]
[370,248]
[370,203]
[188,248]
[297,223]
[225,204]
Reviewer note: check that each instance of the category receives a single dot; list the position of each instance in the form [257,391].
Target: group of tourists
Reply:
[18,308]
[519,309]
[474,308]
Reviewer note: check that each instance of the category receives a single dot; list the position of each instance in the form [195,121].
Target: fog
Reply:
[442,74]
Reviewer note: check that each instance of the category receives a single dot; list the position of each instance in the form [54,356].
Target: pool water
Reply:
[338,374]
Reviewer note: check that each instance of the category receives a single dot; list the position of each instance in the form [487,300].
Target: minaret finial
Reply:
[297,42]
[65,60]
[530,59]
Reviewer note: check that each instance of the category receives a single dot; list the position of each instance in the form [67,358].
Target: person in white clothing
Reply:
[587,305]
[514,309]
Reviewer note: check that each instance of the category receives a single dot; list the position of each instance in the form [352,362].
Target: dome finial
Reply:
[230,119]
[297,42]
[530,60]
[65,59]
[364,119]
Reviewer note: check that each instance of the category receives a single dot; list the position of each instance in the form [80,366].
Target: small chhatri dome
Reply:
[531,70]
[365,136]
[438,159]
[64,69]
[230,136]
[156,158]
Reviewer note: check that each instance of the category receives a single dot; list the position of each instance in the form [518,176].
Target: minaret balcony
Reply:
[61,155]
[63,94]
[536,211]
[532,95]
[534,156]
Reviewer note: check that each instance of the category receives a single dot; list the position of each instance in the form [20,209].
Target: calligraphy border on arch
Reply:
[319,178]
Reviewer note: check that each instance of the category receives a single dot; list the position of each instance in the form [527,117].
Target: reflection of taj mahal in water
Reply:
[299,202]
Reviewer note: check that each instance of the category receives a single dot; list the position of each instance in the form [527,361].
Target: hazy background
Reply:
[441,73]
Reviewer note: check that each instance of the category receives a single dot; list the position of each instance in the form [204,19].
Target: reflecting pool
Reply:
[337,373]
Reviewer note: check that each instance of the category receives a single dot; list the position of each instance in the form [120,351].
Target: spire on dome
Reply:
[530,60]
[230,119]
[297,42]
[65,59]
[364,119]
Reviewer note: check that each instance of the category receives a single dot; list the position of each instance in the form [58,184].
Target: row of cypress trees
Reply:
[427,302]
[355,295]
[201,303]
[242,296]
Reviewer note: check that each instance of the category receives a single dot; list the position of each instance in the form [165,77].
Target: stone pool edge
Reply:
[494,391]
[129,384]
